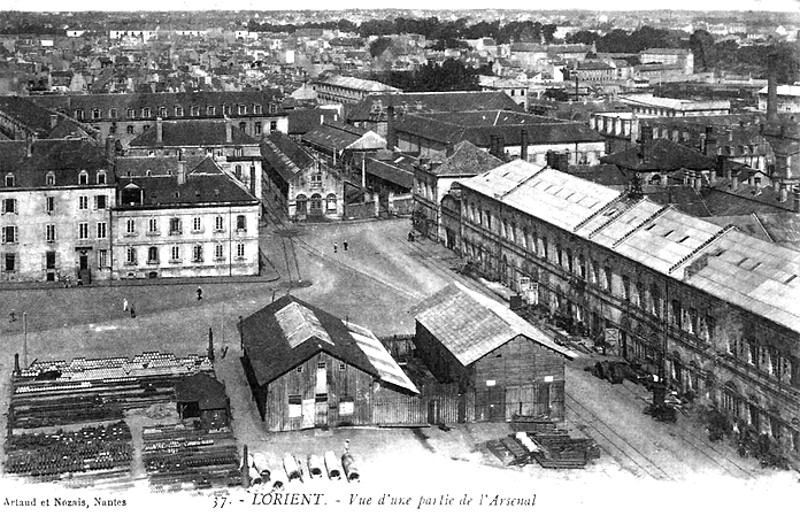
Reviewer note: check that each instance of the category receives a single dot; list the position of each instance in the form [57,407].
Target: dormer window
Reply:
[162,111]
[195,110]
[178,110]
[50,179]
[83,178]
[112,113]
[101,178]
[211,111]
[273,109]
[10,182]
[79,114]
[130,113]
[257,109]
[95,114]
[242,110]
[146,112]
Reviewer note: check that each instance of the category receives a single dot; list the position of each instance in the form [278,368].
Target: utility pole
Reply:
[24,339]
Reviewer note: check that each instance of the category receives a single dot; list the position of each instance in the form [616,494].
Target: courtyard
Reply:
[374,283]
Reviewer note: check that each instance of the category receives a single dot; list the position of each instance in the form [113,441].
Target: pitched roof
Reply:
[337,136]
[478,127]
[467,160]
[63,158]
[659,156]
[374,107]
[199,189]
[25,112]
[201,388]
[187,133]
[303,120]
[355,83]
[284,156]
[287,332]
[470,325]
[390,172]
[757,276]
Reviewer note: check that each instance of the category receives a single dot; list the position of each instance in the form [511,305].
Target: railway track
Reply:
[602,433]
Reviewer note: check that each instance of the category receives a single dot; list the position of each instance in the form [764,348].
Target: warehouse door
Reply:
[308,413]
[496,405]
[321,395]
[543,399]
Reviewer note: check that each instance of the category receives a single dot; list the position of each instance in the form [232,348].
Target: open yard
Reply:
[374,283]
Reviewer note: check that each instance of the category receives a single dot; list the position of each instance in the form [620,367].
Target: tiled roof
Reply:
[27,113]
[659,156]
[478,127]
[303,120]
[287,332]
[470,325]
[64,158]
[186,100]
[285,156]
[390,172]
[467,160]
[373,107]
[757,276]
[336,136]
[188,133]
[199,189]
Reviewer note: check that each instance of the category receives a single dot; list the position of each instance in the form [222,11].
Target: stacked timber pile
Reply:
[547,445]
[91,452]
[84,390]
[180,457]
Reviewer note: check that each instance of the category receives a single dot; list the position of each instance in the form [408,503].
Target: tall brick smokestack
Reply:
[772,88]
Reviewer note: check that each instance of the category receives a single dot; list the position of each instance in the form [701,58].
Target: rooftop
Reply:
[188,133]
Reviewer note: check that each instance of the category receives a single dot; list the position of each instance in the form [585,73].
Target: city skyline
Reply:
[181,5]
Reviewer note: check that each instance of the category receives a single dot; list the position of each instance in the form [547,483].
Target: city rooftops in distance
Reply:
[375,106]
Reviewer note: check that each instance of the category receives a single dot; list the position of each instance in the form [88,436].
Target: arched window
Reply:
[95,114]
[330,203]
[101,178]
[301,204]
[83,178]
[50,179]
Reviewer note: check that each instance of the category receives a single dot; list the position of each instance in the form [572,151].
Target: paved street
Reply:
[374,283]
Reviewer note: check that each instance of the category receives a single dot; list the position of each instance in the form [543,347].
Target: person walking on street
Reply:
[199,294]
[133,311]
[335,248]
[344,244]
[124,305]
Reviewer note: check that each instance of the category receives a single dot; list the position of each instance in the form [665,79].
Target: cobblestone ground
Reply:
[375,283]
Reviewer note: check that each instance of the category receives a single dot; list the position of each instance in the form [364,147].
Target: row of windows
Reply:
[175,254]
[10,261]
[50,178]
[176,225]
[763,358]
[178,111]
[10,234]
[100,203]
[258,128]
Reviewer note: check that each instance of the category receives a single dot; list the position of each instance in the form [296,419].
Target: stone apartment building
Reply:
[189,223]
[56,198]
[713,310]
[127,115]
[347,90]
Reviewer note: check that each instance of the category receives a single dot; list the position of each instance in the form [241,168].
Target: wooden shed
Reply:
[308,368]
[204,397]
[510,366]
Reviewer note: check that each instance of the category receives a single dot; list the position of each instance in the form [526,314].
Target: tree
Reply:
[702,44]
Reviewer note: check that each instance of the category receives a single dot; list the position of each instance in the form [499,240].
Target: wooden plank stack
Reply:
[550,447]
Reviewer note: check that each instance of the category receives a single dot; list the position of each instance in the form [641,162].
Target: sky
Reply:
[608,5]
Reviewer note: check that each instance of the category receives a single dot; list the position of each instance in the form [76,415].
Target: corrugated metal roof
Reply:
[470,325]
[388,370]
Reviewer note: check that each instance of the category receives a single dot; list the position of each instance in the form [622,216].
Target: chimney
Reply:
[53,120]
[501,147]
[181,170]
[796,199]
[111,148]
[784,193]
[772,88]
[16,364]
[159,131]
[391,140]
[228,130]
[523,145]
[557,160]
[705,147]
[734,181]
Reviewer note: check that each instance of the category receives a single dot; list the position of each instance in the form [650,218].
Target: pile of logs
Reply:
[548,446]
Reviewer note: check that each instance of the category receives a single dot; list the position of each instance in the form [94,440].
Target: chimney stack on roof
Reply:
[159,131]
[228,130]
[734,181]
[523,145]
[181,171]
[772,88]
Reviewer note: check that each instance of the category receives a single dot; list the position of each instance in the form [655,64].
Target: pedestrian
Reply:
[124,305]
[133,311]
[347,445]
[335,248]
[224,351]
[12,316]
[344,245]
[199,294]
